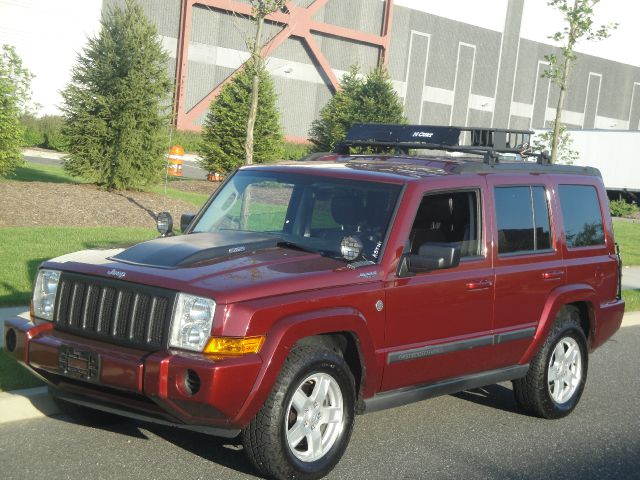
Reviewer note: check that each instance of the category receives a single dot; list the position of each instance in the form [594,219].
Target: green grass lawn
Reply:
[13,375]
[632,300]
[38,172]
[627,235]
[22,249]
[196,199]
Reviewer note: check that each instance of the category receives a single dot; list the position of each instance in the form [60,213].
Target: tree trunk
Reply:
[255,86]
[564,80]
[556,124]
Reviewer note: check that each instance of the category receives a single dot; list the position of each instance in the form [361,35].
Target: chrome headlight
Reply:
[44,293]
[191,322]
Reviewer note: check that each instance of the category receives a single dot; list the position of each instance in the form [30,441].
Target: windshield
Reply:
[335,217]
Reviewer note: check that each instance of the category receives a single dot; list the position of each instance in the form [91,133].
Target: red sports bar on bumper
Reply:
[181,388]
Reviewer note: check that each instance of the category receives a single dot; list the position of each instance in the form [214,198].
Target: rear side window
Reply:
[522,214]
[582,217]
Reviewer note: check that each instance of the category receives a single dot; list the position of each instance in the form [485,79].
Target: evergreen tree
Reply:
[14,94]
[116,102]
[224,130]
[371,99]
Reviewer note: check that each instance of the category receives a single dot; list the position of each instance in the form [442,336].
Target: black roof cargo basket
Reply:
[488,142]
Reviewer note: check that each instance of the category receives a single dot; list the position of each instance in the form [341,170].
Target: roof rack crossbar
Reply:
[401,138]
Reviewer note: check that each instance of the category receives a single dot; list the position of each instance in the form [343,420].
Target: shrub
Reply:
[190,141]
[295,151]
[33,136]
[620,208]
[44,132]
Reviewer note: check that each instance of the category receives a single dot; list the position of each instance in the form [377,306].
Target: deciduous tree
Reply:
[578,26]
[15,82]
[261,8]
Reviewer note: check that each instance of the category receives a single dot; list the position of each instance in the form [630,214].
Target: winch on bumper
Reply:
[183,389]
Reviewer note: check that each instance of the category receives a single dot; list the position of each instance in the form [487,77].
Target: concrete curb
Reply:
[26,404]
[36,402]
[42,153]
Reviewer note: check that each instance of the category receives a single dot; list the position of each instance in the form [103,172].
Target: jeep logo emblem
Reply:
[116,273]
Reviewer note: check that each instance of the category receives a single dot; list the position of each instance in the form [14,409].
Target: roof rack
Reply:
[489,142]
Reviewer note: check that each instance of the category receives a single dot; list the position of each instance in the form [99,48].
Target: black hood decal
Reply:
[187,250]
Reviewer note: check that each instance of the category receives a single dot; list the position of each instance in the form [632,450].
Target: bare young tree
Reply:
[578,26]
[261,8]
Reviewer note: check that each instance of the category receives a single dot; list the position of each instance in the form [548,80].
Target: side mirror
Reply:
[430,257]
[185,221]
[164,224]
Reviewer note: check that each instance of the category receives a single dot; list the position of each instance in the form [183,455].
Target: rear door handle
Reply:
[553,275]
[479,285]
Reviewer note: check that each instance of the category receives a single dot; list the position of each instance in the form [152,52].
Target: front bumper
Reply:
[155,387]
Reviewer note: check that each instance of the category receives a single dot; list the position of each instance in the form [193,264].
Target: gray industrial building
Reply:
[448,72]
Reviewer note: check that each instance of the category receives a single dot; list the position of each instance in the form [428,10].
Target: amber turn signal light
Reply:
[234,345]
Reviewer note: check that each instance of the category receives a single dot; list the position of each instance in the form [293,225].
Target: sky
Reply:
[540,21]
[48,34]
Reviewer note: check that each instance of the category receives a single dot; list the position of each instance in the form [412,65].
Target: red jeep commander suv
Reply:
[303,294]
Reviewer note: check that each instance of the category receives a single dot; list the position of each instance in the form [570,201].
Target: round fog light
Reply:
[11,341]
[164,223]
[191,382]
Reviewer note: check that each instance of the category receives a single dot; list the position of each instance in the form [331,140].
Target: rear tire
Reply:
[555,381]
[304,427]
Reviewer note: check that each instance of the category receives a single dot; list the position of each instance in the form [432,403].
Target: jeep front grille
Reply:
[113,311]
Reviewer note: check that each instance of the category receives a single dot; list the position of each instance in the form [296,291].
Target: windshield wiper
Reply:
[294,246]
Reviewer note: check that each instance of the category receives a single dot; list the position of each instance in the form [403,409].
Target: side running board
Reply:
[404,396]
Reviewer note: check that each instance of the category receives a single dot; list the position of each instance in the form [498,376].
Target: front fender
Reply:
[284,334]
[557,299]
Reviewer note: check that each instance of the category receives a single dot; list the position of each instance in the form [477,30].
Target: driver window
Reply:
[448,219]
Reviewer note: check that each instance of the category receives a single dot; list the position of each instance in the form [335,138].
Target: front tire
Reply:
[304,427]
[555,381]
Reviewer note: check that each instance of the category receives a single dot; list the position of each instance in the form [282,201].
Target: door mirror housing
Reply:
[430,256]
[185,220]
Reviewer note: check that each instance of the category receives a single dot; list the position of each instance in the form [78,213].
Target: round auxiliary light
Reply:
[351,248]
[164,223]
[11,340]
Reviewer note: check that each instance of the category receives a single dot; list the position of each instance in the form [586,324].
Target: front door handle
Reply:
[553,275]
[479,285]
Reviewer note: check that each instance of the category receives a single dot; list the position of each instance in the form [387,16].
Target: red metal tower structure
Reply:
[296,22]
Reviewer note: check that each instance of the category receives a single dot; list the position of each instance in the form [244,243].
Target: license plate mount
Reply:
[79,364]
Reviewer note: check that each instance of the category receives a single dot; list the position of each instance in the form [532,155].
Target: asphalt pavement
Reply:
[477,434]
